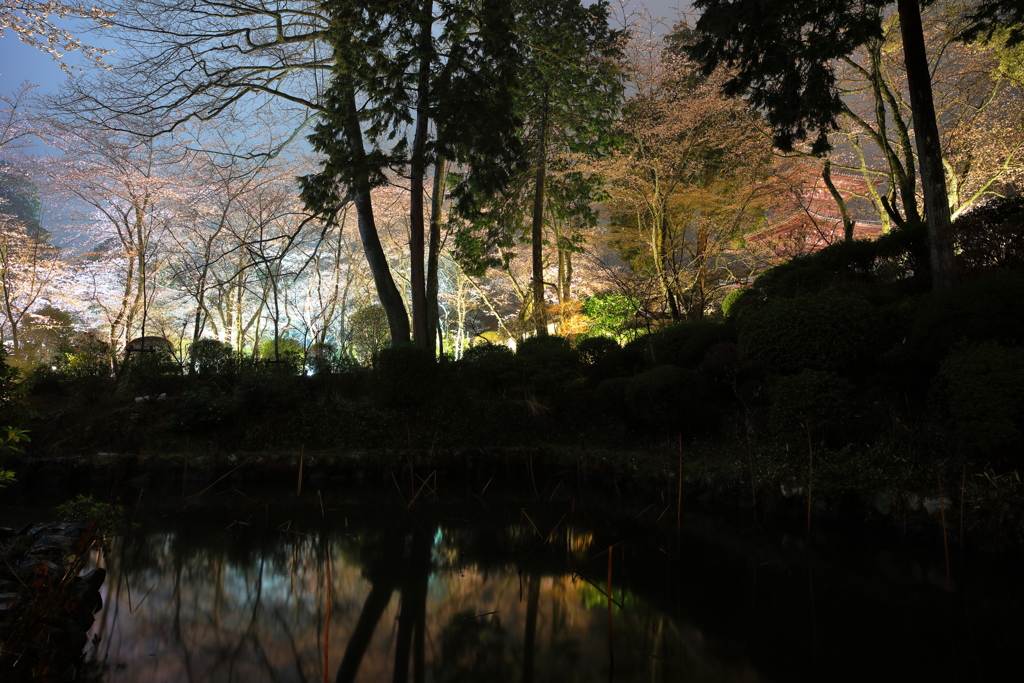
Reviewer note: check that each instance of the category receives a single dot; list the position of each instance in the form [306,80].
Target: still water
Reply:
[253,586]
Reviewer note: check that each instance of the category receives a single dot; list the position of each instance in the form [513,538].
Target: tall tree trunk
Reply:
[929,150]
[434,248]
[848,223]
[537,233]
[662,259]
[387,292]
[418,169]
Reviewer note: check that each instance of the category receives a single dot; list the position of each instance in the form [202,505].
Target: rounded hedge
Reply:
[594,350]
[210,357]
[828,331]
[548,363]
[683,344]
[405,376]
[988,309]
[489,367]
[819,401]
[670,397]
[979,394]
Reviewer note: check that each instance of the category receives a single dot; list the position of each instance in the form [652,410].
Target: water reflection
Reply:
[511,597]
[420,600]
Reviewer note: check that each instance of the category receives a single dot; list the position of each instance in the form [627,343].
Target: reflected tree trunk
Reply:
[412,620]
[373,609]
[530,639]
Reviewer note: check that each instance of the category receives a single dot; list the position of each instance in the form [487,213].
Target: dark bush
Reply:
[288,354]
[322,359]
[991,236]
[820,400]
[202,408]
[263,390]
[593,350]
[670,397]
[828,331]
[721,363]
[209,357]
[405,376]
[979,393]
[989,309]
[895,263]
[611,394]
[489,367]
[86,355]
[548,363]
[9,390]
[683,344]
[149,374]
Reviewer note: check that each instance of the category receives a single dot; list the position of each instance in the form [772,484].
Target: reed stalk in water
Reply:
[679,497]
[945,539]
[810,478]
[611,654]
[327,618]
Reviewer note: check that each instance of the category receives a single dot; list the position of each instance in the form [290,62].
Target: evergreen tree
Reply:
[784,51]
[568,98]
[400,69]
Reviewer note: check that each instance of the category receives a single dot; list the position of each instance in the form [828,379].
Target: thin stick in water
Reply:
[327,618]
[302,456]
[753,487]
[611,654]
[534,481]
[810,478]
[136,510]
[184,474]
[963,494]
[679,498]
[945,539]
[222,477]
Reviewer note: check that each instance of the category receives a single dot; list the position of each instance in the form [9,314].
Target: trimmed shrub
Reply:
[209,357]
[489,367]
[405,376]
[830,331]
[990,309]
[683,344]
[593,350]
[980,391]
[821,400]
[202,408]
[897,258]
[85,356]
[611,394]
[288,354]
[991,236]
[670,397]
[548,363]
[730,300]
[83,366]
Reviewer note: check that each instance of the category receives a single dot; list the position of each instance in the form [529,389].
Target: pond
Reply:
[493,586]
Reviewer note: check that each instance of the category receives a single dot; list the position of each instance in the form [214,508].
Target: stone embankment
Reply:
[46,610]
